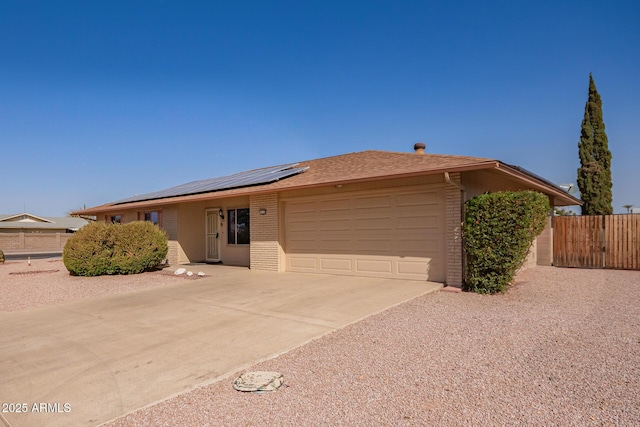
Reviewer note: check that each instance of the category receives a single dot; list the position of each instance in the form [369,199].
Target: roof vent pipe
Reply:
[419,147]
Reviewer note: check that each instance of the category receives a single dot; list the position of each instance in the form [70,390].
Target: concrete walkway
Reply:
[87,362]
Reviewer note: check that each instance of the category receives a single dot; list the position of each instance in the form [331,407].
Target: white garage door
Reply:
[391,233]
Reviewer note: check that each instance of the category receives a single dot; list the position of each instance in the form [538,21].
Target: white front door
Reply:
[212,230]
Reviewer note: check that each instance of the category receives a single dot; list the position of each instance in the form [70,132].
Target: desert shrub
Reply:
[1,257]
[499,228]
[90,250]
[100,248]
[140,246]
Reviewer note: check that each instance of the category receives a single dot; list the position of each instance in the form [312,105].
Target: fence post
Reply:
[603,237]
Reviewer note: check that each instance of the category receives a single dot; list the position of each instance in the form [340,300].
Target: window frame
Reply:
[142,216]
[111,218]
[233,232]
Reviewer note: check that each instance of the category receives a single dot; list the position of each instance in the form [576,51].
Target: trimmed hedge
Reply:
[1,257]
[499,229]
[100,248]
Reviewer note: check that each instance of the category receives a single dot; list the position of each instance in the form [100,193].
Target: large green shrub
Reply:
[499,229]
[101,248]
[140,246]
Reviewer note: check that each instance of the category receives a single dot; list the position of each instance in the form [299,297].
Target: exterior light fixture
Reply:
[262,211]
[220,214]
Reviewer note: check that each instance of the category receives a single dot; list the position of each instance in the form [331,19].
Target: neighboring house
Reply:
[369,213]
[28,223]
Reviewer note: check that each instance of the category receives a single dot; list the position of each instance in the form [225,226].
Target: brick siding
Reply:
[170,226]
[265,251]
[18,242]
[453,213]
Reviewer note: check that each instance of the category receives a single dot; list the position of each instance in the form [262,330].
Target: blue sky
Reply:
[105,99]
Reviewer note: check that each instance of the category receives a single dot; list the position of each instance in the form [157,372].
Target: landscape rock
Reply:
[259,381]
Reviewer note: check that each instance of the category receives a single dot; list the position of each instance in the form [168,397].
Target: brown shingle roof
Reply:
[372,164]
[353,167]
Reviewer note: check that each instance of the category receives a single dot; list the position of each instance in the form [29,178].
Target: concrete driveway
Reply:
[87,362]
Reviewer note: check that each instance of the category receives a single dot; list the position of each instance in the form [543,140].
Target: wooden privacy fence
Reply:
[599,241]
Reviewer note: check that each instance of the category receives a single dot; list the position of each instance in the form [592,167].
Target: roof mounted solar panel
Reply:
[241,179]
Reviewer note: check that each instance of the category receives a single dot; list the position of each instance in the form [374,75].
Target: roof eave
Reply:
[45,220]
[247,191]
[561,197]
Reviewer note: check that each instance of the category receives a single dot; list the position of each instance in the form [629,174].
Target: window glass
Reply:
[152,217]
[238,231]
[231,225]
[115,219]
[242,227]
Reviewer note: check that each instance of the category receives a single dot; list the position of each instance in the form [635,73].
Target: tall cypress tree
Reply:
[594,174]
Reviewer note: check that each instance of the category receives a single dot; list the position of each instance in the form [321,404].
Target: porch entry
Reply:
[212,231]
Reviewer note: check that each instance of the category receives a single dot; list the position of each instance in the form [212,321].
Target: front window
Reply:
[154,217]
[114,219]
[238,226]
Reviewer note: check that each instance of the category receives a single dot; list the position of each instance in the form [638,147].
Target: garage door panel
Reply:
[304,262]
[373,202]
[302,226]
[417,266]
[417,210]
[373,224]
[412,246]
[394,234]
[376,266]
[419,224]
[382,210]
[336,264]
[342,224]
[373,246]
[334,245]
[431,198]
[336,205]
[302,207]
[301,245]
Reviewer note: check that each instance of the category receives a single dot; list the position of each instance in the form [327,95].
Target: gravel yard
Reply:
[562,347]
[46,282]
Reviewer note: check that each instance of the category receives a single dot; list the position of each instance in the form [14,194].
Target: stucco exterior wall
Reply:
[532,257]
[545,245]
[479,182]
[191,224]
[185,227]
